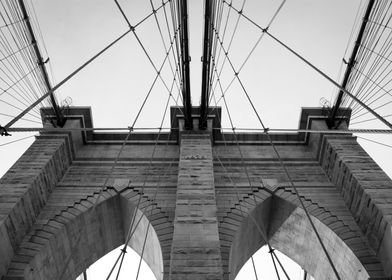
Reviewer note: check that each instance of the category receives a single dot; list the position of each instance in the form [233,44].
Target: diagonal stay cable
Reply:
[320,72]
[66,79]
[254,268]
[17,140]
[331,80]
[375,142]
[280,264]
[132,229]
[225,51]
[117,158]
[261,231]
[163,40]
[104,185]
[230,42]
[283,167]
[273,261]
[133,30]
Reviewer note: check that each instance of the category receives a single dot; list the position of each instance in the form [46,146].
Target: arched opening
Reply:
[129,268]
[267,268]
[80,235]
[289,231]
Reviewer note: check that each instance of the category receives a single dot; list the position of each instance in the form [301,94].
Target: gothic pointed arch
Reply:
[288,230]
[64,244]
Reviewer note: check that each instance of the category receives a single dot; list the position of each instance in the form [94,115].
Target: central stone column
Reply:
[196,248]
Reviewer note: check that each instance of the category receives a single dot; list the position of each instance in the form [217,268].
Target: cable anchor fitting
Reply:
[3,131]
[130,128]
[266,130]
[43,62]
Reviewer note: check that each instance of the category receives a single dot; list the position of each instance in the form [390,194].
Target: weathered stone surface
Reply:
[208,205]
[196,246]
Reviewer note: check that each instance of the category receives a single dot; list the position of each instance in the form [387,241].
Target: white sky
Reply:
[116,83]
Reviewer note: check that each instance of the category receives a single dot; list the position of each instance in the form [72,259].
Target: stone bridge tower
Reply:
[203,194]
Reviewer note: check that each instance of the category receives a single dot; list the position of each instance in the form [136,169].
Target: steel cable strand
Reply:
[162,38]
[132,29]
[240,12]
[77,71]
[14,67]
[375,142]
[381,88]
[374,69]
[105,183]
[132,229]
[67,79]
[17,140]
[360,109]
[261,231]
[119,153]
[238,197]
[231,40]
[273,261]
[280,264]
[11,75]
[318,70]
[363,58]
[375,82]
[284,167]
[30,57]
[329,79]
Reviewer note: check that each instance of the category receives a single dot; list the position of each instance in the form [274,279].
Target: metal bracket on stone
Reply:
[195,157]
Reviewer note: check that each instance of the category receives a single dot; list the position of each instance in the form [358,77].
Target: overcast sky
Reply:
[115,84]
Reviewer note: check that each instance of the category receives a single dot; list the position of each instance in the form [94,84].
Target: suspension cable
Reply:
[280,159]
[318,71]
[260,230]
[8,125]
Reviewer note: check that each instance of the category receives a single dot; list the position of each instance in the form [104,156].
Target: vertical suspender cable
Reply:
[205,85]
[65,80]
[350,65]
[186,88]
[59,118]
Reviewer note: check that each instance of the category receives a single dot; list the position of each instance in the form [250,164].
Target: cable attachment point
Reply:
[132,28]
[130,128]
[43,62]
[266,130]
[271,250]
[3,131]
[240,12]
[264,30]
[124,250]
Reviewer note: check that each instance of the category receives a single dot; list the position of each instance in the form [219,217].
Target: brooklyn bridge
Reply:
[197,165]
